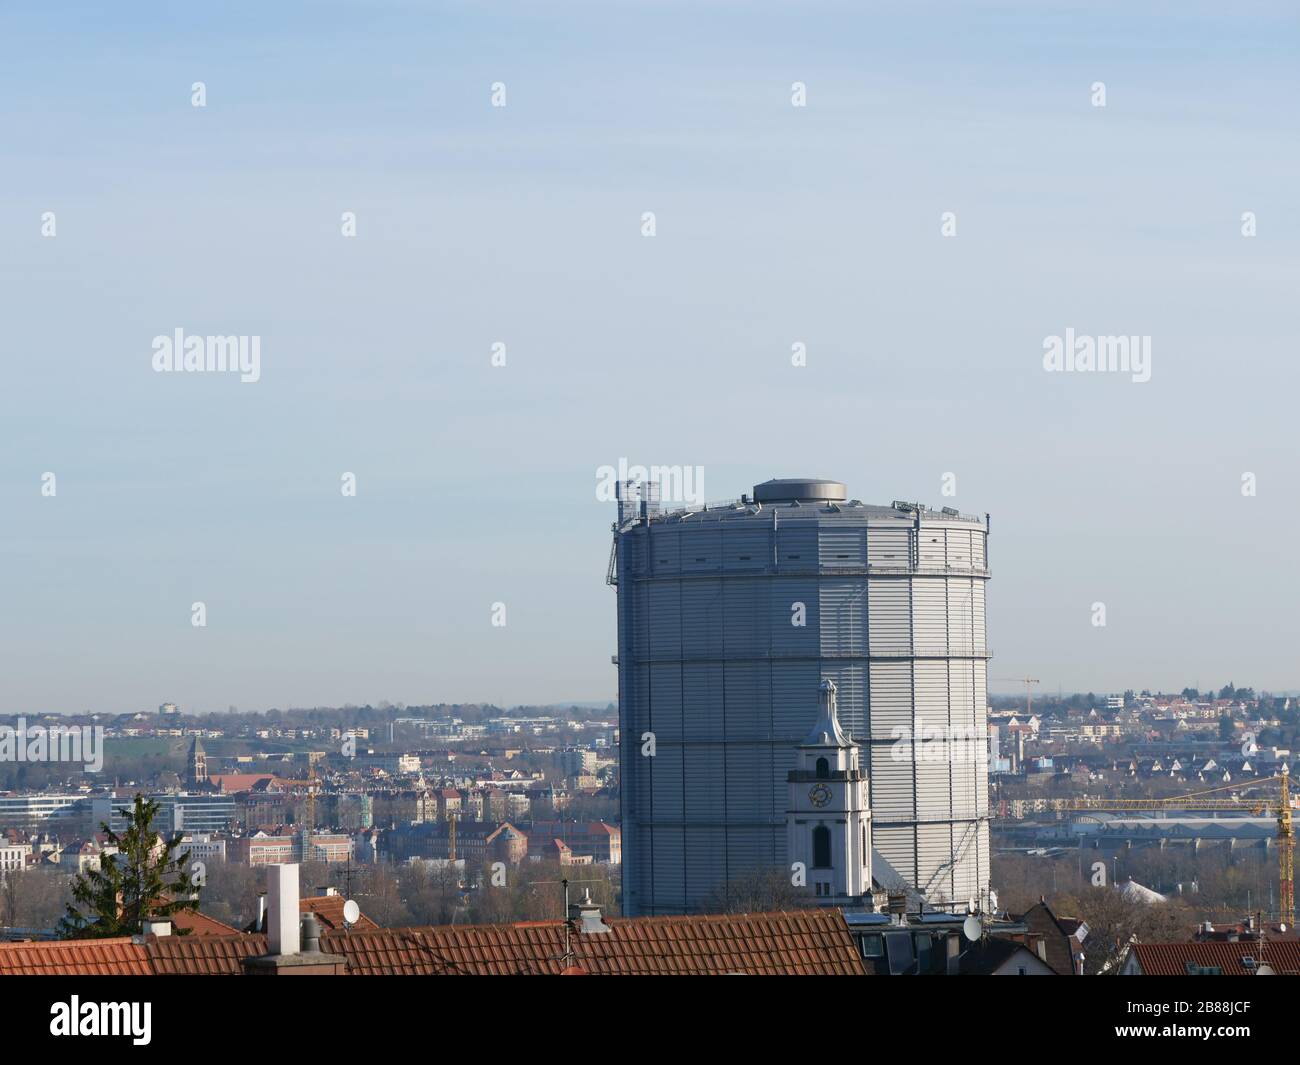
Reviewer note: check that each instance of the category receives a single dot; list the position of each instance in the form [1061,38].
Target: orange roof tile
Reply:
[75,957]
[203,955]
[1173,959]
[807,942]
[329,911]
[200,924]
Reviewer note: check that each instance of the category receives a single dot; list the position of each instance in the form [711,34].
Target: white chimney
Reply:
[158,927]
[282,916]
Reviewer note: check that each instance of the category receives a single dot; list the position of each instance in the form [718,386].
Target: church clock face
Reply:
[819,795]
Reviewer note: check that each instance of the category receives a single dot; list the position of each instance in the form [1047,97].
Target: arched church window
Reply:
[821,839]
[823,769]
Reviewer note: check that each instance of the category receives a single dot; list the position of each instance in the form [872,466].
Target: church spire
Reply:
[827,732]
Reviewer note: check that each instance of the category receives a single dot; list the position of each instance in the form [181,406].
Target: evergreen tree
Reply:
[145,879]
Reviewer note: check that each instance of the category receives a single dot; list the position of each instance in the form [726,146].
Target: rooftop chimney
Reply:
[158,926]
[310,933]
[587,914]
[282,909]
[293,940]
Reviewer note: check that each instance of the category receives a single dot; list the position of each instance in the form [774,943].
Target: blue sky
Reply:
[521,224]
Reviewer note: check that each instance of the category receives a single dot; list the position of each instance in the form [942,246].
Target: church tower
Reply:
[828,822]
[198,763]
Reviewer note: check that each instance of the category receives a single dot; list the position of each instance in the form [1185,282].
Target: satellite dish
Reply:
[971,928]
[351,912]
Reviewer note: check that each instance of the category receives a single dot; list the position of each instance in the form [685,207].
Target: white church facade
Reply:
[828,820]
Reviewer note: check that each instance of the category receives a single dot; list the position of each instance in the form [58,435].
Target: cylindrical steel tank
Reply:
[729,618]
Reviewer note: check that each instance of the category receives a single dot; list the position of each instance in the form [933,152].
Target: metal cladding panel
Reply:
[889,616]
[970,871]
[747,690]
[633,623]
[961,694]
[893,792]
[930,693]
[751,850]
[842,547]
[666,772]
[843,612]
[702,702]
[701,548]
[702,607]
[931,546]
[787,637]
[961,632]
[746,631]
[634,776]
[796,543]
[978,632]
[706,862]
[977,549]
[930,615]
[792,711]
[669,869]
[959,549]
[706,783]
[663,624]
[784,759]
[632,552]
[889,547]
[934,846]
[746,545]
[966,769]
[891,699]
[933,779]
[665,718]
[749,798]
[898,846]
[637,864]
[665,551]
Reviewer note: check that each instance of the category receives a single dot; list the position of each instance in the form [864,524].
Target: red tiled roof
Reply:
[806,942]
[203,955]
[200,924]
[329,911]
[1172,959]
[75,957]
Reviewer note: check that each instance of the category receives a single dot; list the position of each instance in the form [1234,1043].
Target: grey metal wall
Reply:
[710,664]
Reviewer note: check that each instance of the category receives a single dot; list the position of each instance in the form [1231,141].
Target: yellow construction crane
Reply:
[1279,804]
[1029,691]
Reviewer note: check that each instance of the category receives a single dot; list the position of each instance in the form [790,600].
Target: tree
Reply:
[1115,921]
[760,890]
[144,879]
